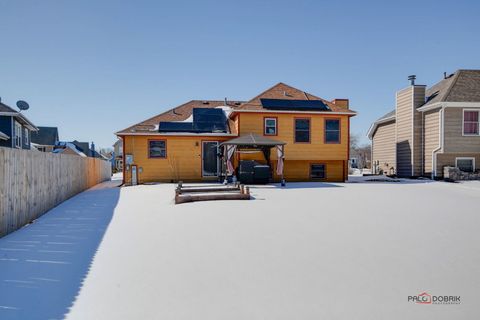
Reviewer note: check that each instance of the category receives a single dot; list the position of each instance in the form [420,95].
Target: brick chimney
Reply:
[342,103]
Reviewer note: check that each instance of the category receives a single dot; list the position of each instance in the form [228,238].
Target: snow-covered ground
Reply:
[308,251]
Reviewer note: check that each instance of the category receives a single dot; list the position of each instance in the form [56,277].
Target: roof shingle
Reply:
[285,92]
[180,113]
[47,136]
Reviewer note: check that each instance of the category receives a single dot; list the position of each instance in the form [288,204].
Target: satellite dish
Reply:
[22,105]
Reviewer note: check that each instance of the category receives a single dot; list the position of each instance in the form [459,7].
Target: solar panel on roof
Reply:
[175,127]
[209,120]
[297,105]
[205,120]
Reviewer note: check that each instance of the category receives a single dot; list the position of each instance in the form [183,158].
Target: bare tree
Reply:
[359,152]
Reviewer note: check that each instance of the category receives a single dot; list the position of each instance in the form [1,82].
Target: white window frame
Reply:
[25,136]
[466,158]
[265,126]
[463,123]
[18,135]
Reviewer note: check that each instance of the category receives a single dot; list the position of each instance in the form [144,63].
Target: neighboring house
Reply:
[15,128]
[78,148]
[89,151]
[430,128]
[183,143]
[117,161]
[68,148]
[45,138]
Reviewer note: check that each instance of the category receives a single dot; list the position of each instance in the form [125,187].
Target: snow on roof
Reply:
[68,145]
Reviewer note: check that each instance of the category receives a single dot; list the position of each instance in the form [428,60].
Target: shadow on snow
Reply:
[43,265]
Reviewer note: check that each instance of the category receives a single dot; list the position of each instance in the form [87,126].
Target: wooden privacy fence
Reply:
[33,182]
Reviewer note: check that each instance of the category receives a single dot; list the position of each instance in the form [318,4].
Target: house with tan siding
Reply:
[180,144]
[430,128]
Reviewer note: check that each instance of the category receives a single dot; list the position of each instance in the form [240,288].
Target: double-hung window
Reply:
[270,126]
[25,136]
[471,123]
[18,135]
[332,131]
[157,149]
[302,130]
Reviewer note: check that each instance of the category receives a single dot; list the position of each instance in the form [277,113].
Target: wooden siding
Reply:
[33,182]
[383,147]
[183,161]
[409,131]
[404,132]
[184,153]
[454,141]
[295,170]
[418,100]
[315,149]
[431,137]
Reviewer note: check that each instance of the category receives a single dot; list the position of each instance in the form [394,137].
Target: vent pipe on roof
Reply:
[226,101]
[444,75]
[412,79]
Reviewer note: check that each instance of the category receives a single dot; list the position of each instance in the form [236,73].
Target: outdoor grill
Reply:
[252,172]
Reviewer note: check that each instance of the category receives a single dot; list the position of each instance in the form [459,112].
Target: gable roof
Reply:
[286,92]
[180,113]
[5,108]
[389,116]
[8,111]
[47,136]
[62,147]
[184,111]
[462,86]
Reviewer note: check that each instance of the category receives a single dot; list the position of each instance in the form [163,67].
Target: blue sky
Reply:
[94,67]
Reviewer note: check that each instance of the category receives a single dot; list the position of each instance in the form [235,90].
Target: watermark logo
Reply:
[426,298]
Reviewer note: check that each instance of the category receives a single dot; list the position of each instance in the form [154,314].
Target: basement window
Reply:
[317,171]
[157,149]
[465,164]
[470,123]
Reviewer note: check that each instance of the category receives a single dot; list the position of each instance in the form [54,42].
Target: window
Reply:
[25,136]
[18,135]
[157,149]
[270,126]
[317,171]
[470,123]
[465,164]
[302,130]
[332,131]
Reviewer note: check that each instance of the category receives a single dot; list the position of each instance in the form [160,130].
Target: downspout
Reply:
[422,147]
[440,143]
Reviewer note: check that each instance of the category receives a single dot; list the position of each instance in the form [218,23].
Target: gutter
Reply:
[28,123]
[176,134]
[351,113]
[440,144]
[374,125]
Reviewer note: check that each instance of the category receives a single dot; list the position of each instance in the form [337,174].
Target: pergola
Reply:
[255,142]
